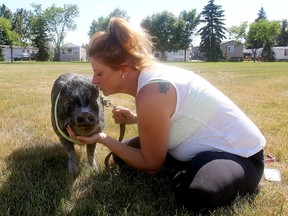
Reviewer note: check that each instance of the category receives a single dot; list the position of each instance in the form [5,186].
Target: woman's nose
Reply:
[95,80]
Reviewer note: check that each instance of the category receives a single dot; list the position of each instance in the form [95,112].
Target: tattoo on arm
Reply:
[163,87]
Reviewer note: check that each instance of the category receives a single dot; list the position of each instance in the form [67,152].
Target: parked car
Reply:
[18,58]
[23,56]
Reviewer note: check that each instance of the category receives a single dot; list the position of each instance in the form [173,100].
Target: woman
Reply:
[212,150]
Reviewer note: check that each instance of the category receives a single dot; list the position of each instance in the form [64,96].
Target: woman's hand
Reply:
[123,115]
[97,137]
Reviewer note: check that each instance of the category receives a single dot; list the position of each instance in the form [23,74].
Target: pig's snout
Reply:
[85,119]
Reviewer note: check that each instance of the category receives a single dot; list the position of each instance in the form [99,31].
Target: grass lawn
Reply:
[34,177]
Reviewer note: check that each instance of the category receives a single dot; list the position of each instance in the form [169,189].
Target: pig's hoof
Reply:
[74,171]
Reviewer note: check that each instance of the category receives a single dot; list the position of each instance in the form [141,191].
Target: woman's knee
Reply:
[197,196]
[211,180]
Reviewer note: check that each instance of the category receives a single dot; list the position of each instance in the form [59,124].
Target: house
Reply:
[72,52]
[196,54]
[232,50]
[175,56]
[18,52]
[249,54]
[281,53]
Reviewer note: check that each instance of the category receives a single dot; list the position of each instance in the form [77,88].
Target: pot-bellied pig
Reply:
[76,102]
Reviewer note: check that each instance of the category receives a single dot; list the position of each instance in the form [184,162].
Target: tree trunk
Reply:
[59,50]
[254,54]
[163,57]
[185,52]
[11,53]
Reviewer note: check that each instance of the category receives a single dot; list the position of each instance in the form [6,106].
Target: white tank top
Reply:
[204,119]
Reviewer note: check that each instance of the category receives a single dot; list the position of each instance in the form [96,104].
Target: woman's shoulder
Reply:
[157,98]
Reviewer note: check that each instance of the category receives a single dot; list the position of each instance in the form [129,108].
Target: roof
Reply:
[281,47]
[71,45]
[14,47]
[225,42]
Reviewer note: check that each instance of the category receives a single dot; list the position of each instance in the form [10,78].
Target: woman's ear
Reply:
[125,68]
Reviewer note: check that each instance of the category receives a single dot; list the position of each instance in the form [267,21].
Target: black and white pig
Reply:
[75,102]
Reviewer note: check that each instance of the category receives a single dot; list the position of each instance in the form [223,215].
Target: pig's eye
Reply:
[73,107]
[72,103]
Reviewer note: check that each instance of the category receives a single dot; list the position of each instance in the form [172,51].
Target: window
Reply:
[230,48]
[286,52]
[181,52]
[69,51]
[63,51]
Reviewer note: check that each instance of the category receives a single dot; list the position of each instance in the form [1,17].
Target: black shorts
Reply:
[214,179]
[211,179]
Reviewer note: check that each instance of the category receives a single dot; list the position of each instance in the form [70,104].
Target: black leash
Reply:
[121,135]
[107,103]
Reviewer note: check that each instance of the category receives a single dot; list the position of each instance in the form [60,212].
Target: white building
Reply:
[177,56]
[174,56]
[18,52]
[72,52]
[281,53]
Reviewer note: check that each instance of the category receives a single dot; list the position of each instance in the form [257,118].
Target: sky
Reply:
[234,11]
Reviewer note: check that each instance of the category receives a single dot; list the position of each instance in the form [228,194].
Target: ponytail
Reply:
[122,43]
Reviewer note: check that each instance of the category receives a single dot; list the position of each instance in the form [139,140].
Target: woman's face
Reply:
[108,79]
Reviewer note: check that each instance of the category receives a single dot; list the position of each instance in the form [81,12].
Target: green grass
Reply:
[34,177]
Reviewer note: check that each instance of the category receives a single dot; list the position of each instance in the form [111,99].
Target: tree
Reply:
[268,55]
[261,14]
[2,57]
[238,32]
[21,24]
[282,39]
[11,36]
[99,25]
[161,26]
[272,33]
[213,32]
[102,23]
[256,37]
[185,28]
[4,13]
[60,20]
[39,34]
[262,33]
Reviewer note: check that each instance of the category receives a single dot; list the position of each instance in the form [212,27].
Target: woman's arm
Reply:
[123,115]
[155,105]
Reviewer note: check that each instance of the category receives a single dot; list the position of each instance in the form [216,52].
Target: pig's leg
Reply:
[90,154]
[72,162]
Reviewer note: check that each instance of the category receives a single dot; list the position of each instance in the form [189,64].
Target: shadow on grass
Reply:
[36,181]
[122,192]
